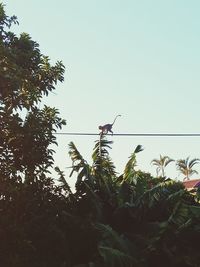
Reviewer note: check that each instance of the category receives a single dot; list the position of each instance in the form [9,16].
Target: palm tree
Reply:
[161,164]
[185,166]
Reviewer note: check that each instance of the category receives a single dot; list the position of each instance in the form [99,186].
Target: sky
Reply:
[139,59]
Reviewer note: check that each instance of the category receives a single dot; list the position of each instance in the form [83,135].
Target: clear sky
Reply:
[139,59]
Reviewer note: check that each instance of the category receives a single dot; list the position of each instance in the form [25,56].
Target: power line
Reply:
[136,134]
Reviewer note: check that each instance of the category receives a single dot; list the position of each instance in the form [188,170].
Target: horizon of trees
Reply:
[184,166]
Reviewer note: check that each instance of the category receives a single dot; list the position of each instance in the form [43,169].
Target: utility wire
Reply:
[136,134]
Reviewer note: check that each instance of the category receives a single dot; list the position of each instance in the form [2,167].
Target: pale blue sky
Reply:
[138,58]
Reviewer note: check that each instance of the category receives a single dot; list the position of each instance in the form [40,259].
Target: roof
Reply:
[189,184]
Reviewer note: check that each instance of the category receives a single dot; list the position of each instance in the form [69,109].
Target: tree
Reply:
[26,76]
[185,166]
[161,164]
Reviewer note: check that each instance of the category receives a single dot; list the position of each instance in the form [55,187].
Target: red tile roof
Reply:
[192,183]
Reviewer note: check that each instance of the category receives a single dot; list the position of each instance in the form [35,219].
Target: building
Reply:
[190,184]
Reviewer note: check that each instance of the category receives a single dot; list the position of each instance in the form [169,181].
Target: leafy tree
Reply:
[29,200]
[185,167]
[25,77]
[161,164]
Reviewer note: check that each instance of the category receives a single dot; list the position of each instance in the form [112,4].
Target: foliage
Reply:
[140,221]
[126,220]
[25,76]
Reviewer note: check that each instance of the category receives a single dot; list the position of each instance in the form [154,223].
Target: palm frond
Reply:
[102,163]
[191,172]
[195,210]
[101,148]
[77,159]
[75,154]
[180,214]
[155,162]
[168,161]
[62,180]
[111,237]
[164,190]
[193,162]
[131,164]
[114,249]
[79,164]
[138,149]
[84,173]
